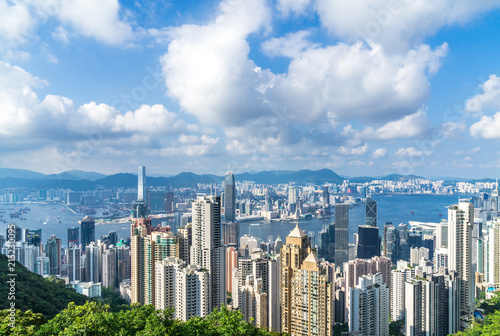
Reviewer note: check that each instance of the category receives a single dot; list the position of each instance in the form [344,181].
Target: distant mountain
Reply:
[402,178]
[78,180]
[20,173]
[287,176]
[77,175]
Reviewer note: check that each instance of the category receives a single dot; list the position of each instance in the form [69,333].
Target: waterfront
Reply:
[391,208]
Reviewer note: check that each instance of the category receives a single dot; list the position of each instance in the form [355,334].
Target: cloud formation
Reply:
[489,99]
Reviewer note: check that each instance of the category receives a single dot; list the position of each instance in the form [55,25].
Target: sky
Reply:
[362,87]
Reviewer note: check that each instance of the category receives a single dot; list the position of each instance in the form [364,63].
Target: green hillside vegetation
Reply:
[491,323]
[94,318]
[34,292]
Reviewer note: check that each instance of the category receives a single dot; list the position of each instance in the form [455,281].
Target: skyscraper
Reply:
[371,212]
[326,197]
[87,231]
[229,198]
[33,236]
[73,255]
[431,305]
[169,202]
[368,242]
[53,252]
[341,234]
[206,249]
[369,307]
[141,187]
[140,208]
[230,227]
[460,222]
[391,242]
[74,235]
[306,295]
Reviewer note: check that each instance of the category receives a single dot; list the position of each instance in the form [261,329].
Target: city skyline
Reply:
[400,87]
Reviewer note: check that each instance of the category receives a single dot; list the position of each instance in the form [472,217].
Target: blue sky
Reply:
[361,87]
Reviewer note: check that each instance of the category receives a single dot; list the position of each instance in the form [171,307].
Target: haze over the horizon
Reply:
[365,88]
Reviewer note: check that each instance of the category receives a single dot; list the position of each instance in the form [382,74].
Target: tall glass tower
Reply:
[230,198]
[371,212]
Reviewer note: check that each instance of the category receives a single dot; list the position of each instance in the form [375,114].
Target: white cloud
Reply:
[207,68]
[475,150]
[97,19]
[91,18]
[397,25]
[360,150]
[354,81]
[487,128]
[452,129]
[411,152]
[147,119]
[287,7]
[291,45]
[407,127]
[489,99]
[379,153]
[15,24]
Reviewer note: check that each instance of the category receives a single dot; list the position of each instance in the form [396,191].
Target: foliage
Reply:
[491,324]
[111,297]
[395,327]
[94,318]
[33,292]
[338,329]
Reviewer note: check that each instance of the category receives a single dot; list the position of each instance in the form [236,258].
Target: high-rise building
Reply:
[326,197]
[169,201]
[87,231]
[460,222]
[432,305]
[185,288]
[92,263]
[292,195]
[53,252]
[109,268]
[74,235]
[391,242]
[33,236]
[368,242]
[206,249]
[229,198]
[185,237]
[273,295]
[232,263]
[141,188]
[398,279]
[371,212]
[73,255]
[306,294]
[369,307]
[404,243]
[341,234]
[355,269]
[192,292]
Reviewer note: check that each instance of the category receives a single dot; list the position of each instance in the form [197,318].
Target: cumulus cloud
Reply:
[407,127]
[487,128]
[397,25]
[291,45]
[489,99]
[297,7]
[452,129]
[355,81]
[96,19]
[411,152]
[207,69]
[379,153]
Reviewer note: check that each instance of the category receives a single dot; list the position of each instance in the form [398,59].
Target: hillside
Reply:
[36,293]
[94,319]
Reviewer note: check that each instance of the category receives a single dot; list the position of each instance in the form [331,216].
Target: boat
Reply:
[412,212]
[440,214]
